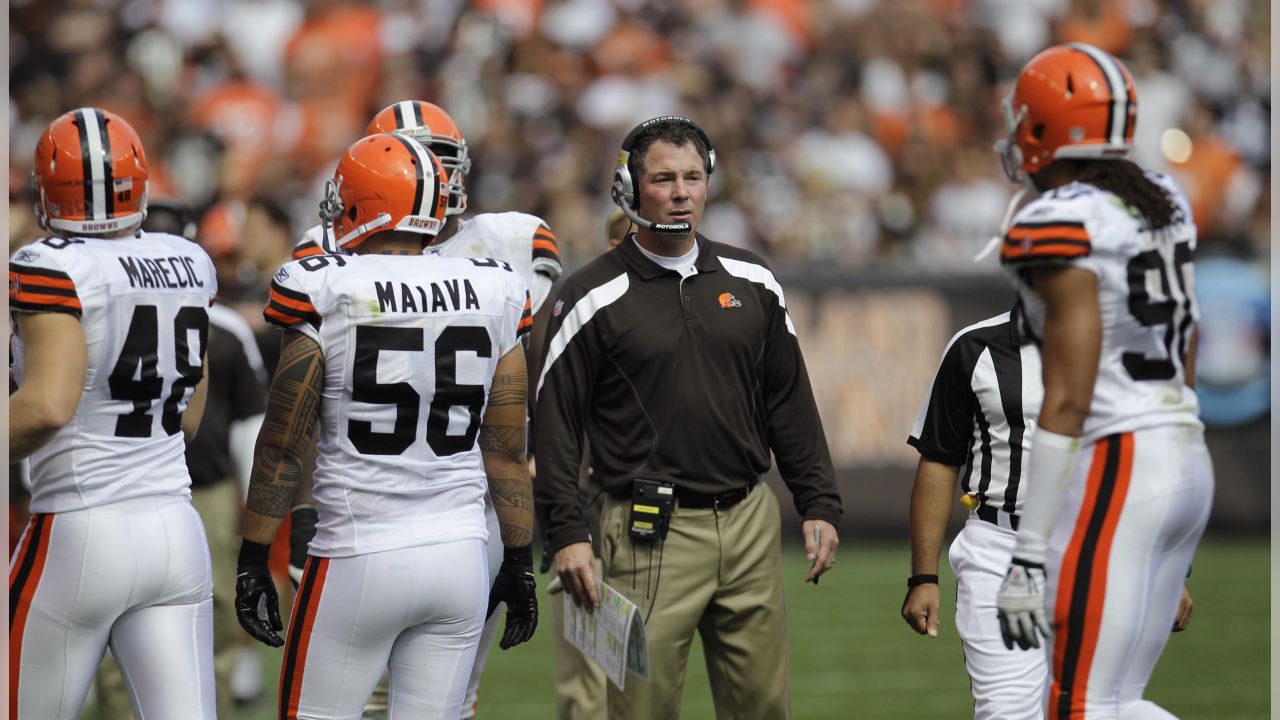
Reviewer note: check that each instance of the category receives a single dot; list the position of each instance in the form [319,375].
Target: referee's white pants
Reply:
[134,574]
[1007,684]
[1118,557]
[417,611]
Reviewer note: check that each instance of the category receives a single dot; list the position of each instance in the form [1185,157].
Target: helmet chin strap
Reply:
[1014,203]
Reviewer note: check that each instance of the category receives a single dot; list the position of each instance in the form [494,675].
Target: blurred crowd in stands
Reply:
[852,134]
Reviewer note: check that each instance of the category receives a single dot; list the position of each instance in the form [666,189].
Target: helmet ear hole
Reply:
[1037,131]
[1071,90]
[351,213]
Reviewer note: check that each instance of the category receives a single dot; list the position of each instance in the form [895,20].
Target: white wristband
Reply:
[1052,462]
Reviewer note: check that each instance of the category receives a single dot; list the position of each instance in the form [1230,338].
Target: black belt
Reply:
[986,513]
[705,501]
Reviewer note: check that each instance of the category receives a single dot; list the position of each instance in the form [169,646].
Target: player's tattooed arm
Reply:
[502,446]
[509,389]
[293,412]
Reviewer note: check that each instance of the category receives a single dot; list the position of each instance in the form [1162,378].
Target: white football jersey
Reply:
[523,241]
[143,305]
[410,346]
[1146,290]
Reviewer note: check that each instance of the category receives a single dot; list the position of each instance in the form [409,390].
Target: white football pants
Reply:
[1007,684]
[134,574]
[1118,557]
[417,611]
[496,621]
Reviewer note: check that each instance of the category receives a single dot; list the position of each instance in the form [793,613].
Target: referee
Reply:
[676,358]
[979,416]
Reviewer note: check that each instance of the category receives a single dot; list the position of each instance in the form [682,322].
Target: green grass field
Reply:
[853,656]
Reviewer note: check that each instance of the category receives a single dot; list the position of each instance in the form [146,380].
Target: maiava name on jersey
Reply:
[443,296]
[170,272]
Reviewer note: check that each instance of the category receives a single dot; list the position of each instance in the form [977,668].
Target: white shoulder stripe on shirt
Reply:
[582,312]
[762,275]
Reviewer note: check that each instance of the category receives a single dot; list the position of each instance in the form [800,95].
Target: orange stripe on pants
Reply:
[1082,583]
[24,577]
[305,605]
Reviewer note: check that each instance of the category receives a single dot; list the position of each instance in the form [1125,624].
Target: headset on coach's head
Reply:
[625,182]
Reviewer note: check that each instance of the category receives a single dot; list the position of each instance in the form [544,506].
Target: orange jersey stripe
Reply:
[25,297]
[306,604]
[1044,248]
[289,302]
[307,250]
[546,245]
[29,280]
[280,317]
[23,580]
[1073,232]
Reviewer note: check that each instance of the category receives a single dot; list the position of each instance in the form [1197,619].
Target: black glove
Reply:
[302,527]
[516,587]
[257,606]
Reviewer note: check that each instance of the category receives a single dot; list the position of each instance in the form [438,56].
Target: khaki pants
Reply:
[219,508]
[721,574]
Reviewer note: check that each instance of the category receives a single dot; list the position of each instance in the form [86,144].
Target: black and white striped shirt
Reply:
[981,410]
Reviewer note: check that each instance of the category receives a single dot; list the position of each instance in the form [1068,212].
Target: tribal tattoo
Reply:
[293,412]
[513,501]
[510,389]
[504,440]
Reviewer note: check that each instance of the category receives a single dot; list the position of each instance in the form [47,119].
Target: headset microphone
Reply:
[625,183]
[633,216]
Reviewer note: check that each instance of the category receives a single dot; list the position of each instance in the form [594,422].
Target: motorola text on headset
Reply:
[625,182]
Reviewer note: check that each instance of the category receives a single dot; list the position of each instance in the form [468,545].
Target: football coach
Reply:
[675,358]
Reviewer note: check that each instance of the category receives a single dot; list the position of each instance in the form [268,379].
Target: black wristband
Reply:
[253,554]
[915,580]
[522,556]
[304,516]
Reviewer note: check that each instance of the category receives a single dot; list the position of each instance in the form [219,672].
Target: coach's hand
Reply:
[1185,606]
[920,608]
[257,606]
[1020,605]
[302,527]
[820,544]
[575,564]
[516,587]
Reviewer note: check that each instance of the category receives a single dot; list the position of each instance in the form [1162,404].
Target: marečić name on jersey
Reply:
[170,272]
[413,298]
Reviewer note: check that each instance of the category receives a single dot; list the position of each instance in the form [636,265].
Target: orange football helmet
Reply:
[387,182]
[430,125]
[1069,101]
[90,175]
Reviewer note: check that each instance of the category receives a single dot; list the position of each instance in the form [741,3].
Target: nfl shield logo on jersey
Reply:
[555,309]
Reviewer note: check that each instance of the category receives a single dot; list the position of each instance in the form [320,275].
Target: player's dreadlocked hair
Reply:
[1124,179]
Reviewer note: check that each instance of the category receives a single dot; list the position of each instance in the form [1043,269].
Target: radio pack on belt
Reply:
[652,503]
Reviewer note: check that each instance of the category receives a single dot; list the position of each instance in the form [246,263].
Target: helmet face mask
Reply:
[433,128]
[90,175]
[1008,150]
[385,182]
[1069,101]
